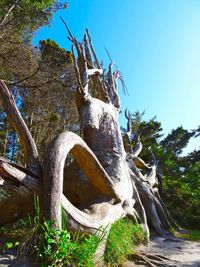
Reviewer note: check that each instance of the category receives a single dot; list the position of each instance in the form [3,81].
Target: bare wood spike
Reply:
[87,53]
[155,162]
[80,88]
[139,146]
[128,117]
[68,30]
[112,87]
[92,49]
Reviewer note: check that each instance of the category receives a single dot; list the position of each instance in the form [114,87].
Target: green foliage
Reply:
[53,54]
[136,121]
[27,15]
[193,235]
[18,21]
[42,77]
[123,236]
[149,130]
[16,229]
[177,140]
[10,245]
[84,248]
[60,248]
[181,180]
[183,190]
[53,247]
[39,4]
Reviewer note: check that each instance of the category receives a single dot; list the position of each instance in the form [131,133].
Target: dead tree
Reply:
[104,182]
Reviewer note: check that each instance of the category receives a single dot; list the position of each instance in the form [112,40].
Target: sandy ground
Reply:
[180,252]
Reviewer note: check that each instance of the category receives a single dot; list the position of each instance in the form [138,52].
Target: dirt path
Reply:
[170,251]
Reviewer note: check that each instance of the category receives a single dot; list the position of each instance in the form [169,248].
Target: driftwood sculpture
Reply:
[104,182]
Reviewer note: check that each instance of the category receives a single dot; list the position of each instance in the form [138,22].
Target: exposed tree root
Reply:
[152,260]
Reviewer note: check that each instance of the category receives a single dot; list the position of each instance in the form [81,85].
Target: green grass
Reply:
[123,237]
[193,235]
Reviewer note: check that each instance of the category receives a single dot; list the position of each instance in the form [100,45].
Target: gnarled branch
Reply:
[53,172]
[17,122]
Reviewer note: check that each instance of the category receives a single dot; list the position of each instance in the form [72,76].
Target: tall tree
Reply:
[177,140]
[40,71]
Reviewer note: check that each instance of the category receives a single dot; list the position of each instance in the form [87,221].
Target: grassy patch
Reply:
[193,235]
[123,236]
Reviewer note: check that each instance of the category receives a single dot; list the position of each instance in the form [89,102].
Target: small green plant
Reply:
[9,245]
[53,245]
[59,248]
[123,236]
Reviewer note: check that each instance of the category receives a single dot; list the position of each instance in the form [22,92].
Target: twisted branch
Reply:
[17,122]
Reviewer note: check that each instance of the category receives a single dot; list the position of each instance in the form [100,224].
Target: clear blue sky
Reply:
[156,45]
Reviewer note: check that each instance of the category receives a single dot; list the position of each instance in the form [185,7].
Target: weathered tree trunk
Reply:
[134,193]
[104,183]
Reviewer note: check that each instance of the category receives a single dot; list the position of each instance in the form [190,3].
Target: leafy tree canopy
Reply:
[177,140]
